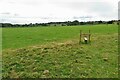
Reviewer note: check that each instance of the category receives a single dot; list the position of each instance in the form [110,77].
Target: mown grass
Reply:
[23,37]
[64,60]
[0,53]
[67,58]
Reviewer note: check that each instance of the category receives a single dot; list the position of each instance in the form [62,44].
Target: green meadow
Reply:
[55,52]
[23,37]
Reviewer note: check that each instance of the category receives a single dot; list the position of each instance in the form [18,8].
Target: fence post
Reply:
[89,35]
[80,36]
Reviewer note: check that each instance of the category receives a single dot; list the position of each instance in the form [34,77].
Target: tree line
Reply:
[66,23]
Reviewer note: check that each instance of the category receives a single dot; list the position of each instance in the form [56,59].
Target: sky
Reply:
[43,11]
[119,10]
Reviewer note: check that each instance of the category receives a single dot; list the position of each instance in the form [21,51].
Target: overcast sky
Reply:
[37,11]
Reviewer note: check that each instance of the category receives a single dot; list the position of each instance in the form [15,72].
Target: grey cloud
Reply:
[102,9]
[82,17]
[32,2]
[8,14]
[5,13]
[82,5]
[26,2]
[16,14]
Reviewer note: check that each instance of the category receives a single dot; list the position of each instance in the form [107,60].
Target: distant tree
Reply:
[63,25]
[82,23]
[110,22]
[100,22]
[0,24]
[30,24]
[76,22]
[7,25]
[118,23]
[68,23]
[89,22]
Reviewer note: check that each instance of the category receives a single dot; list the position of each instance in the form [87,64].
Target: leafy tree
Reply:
[76,22]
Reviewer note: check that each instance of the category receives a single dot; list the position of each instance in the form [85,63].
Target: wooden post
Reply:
[89,36]
[80,36]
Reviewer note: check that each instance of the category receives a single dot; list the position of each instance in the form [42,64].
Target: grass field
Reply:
[23,37]
[55,52]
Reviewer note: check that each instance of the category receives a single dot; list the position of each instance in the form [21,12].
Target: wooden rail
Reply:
[82,35]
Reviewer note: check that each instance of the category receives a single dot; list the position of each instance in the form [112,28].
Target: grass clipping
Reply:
[64,60]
